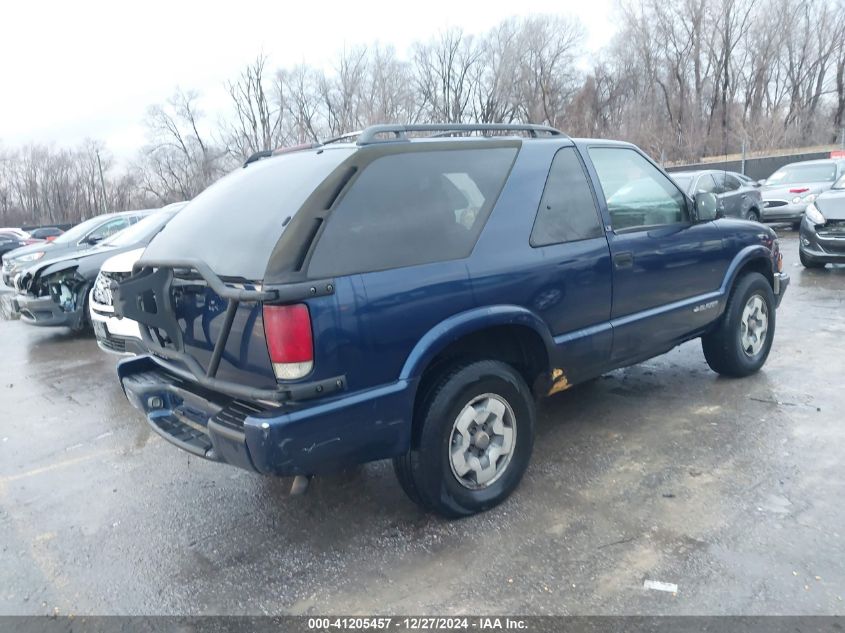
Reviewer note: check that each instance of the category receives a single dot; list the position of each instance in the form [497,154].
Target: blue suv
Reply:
[411,294]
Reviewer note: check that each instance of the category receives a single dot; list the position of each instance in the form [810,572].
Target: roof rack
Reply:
[400,132]
[342,137]
[265,153]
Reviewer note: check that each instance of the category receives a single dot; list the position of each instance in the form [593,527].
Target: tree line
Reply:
[681,78]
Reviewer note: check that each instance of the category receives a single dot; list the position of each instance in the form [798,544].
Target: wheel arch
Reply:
[511,334]
[756,258]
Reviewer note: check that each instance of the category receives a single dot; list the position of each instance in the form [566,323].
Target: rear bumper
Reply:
[289,439]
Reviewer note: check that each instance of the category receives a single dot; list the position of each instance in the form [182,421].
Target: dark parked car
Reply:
[54,292]
[746,180]
[788,191]
[9,242]
[44,234]
[822,233]
[735,198]
[79,238]
[408,298]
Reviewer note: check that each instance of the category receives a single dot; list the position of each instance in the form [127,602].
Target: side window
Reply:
[706,184]
[732,183]
[412,208]
[637,193]
[109,228]
[567,211]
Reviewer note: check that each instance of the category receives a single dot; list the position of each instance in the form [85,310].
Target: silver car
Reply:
[788,191]
[735,197]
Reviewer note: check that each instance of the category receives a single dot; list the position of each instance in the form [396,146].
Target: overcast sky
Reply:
[73,69]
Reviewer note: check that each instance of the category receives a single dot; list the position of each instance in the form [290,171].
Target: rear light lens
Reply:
[289,340]
[799,190]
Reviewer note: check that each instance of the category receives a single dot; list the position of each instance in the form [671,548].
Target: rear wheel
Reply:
[475,436]
[741,342]
[753,215]
[807,261]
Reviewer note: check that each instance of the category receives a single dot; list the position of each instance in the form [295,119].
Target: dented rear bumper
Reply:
[288,439]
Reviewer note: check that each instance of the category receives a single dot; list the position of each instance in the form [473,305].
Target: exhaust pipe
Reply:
[300,485]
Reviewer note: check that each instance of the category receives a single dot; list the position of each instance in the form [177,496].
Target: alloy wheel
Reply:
[482,441]
[754,325]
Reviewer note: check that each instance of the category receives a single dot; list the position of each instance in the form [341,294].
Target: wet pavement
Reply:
[731,489]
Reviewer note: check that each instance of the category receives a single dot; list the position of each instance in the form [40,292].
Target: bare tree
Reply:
[443,73]
[547,75]
[257,121]
[180,160]
[298,92]
[682,79]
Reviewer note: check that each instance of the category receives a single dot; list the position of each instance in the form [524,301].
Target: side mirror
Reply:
[706,206]
[760,183]
[92,239]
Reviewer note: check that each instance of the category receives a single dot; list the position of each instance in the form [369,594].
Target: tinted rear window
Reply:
[235,223]
[412,208]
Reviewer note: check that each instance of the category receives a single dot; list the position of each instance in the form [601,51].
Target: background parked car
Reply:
[746,180]
[79,238]
[14,231]
[822,238]
[55,292]
[788,191]
[44,234]
[116,335]
[737,198]
[9,242]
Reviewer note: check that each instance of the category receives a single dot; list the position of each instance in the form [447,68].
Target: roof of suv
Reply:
[392,134]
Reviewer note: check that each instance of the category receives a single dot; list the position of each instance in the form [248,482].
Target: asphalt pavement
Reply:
[730,489]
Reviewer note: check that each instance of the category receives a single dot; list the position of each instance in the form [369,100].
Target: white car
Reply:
[115,335]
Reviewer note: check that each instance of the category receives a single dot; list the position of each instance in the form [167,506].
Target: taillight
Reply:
[799,190]
[289,341]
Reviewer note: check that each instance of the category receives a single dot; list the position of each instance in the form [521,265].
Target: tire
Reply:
[84,325]
[752,215]
[796,225]
[727,348]
[491,398]
[807,261]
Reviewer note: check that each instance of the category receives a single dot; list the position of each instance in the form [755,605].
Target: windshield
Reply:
[234,225]
[79,231]
[683,181]
[142,231]
[798,173]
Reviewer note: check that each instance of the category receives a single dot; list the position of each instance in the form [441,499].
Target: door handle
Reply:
[623,260]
